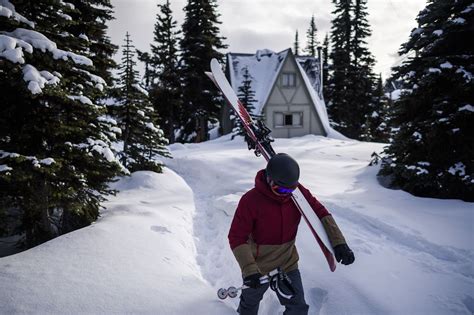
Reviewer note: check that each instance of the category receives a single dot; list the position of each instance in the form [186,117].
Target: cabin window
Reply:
[288,119]
[297,119]
[288,79]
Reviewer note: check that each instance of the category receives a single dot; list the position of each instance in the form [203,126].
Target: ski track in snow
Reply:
[370,228]
[217,167]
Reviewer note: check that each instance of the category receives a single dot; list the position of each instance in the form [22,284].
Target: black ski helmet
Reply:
[283,170]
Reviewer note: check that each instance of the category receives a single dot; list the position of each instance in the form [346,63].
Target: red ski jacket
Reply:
[263,231]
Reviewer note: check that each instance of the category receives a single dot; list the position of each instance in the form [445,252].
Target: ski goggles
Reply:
[283,190]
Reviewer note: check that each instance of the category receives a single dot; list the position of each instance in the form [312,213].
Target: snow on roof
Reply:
[310,67]
[264,67]
[319,104]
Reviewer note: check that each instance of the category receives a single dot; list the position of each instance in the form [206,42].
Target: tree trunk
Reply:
[201,129]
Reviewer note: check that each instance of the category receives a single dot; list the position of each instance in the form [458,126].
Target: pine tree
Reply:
[325,69]
[312,39]
[148,76]
[432,153]
[376,119]
[352,82]
[339,88]
[296,45]
[55,143]
[165,91]
[142,140]
[200,43]
[391,86]
[86,34]
[362,76]
[247,96]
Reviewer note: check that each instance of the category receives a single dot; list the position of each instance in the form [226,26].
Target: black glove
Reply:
[344,254]
[253,281]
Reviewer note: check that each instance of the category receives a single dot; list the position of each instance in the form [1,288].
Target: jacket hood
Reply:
[262,186]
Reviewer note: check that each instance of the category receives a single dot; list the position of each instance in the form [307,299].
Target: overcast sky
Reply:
[249,25]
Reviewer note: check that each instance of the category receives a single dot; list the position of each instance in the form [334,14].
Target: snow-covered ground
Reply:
[161,245]
[139,258]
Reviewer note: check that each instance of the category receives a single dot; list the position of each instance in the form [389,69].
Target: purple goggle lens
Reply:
[284,190]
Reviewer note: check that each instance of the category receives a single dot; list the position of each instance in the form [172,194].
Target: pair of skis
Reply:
[260,138]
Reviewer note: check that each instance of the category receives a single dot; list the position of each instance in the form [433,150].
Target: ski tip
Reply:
[332,262]
[215,65]
[214,62]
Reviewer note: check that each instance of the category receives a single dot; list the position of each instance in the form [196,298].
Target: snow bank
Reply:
[139,258]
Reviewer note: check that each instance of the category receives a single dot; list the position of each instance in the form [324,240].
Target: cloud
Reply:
[249,25]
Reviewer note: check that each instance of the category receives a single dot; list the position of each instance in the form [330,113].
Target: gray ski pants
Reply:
[250,298]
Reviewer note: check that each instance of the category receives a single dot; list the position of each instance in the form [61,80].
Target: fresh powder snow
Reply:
[139,258]
[160,246]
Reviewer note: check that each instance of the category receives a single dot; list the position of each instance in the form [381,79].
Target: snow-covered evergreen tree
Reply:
[200,43]
[432,153]
[90,29]
[143,141]
[392,88]
[312,38]
[376,118]
[165,90]
[247,96]
[55,143]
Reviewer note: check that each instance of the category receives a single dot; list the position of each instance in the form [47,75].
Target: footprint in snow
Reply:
[159,229]
[468,301]
[361,246]
[178,208]
[317,298]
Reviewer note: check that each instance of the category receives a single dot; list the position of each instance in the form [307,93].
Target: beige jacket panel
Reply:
[334,233]
[253,258]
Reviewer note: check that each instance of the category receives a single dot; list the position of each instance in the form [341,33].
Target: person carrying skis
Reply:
[263,231]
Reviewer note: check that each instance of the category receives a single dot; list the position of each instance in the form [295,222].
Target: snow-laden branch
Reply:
[99,81]
[38,41]
[81,98]
[37,163]
[38,79]
[8,10]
